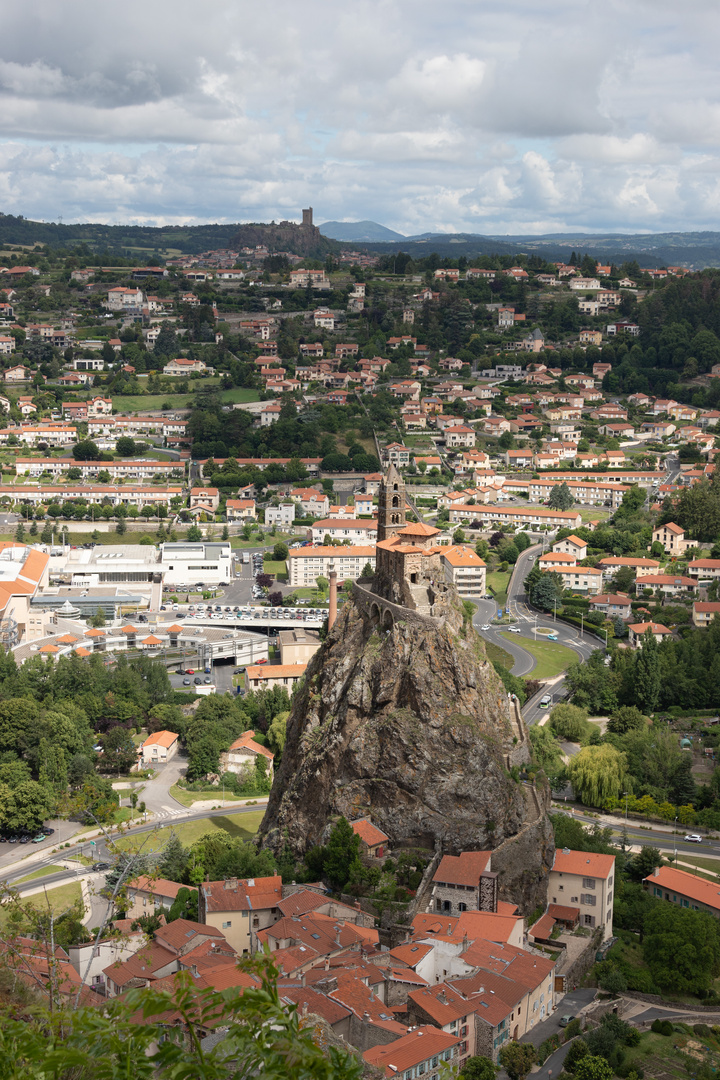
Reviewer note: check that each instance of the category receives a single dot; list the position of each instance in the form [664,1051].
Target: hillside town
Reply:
[228,480]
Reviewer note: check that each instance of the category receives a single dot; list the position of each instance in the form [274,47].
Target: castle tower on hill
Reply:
[307,216]
[391,505]
[407,563]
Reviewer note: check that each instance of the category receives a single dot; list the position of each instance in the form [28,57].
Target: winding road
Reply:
[528,620]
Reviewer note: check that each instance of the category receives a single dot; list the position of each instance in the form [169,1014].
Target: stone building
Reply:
[408,570]
[465,882]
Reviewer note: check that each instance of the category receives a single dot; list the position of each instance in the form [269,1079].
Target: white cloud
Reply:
[500,116]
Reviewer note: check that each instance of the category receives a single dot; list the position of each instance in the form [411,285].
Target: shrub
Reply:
[702,1030]
[667,1028]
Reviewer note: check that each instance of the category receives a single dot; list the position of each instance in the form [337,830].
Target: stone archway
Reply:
[374,613]
[387,619]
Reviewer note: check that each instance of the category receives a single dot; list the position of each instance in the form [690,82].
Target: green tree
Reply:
[478,1068]
[367,571]
[194,534]
[86,450]
[547,592]
[127,447]
[121,527]
[627,718]
[578,1050]
[280,552]
[591,1067]
[597,774]
[647,673]
[681,948]
[263,1037]
[560,497]
[613,981]
[185,906]
[517,1059]
[569,722]
[342,855]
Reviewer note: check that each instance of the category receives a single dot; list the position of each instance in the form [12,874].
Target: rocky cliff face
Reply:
[409,726]
[286,236]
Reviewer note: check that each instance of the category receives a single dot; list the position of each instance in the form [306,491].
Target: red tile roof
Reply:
[161,738]
[411,953]
[560,911]
[584,863]
[679,881]
[237,894]
[368,832]
[463,869]
[410,1050]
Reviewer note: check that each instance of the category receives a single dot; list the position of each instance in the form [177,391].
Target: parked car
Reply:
[197,680]
[187,682]
[567,1019]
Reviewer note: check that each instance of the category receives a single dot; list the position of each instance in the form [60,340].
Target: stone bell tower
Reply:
[391,504]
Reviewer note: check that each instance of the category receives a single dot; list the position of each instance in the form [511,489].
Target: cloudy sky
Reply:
[487,116]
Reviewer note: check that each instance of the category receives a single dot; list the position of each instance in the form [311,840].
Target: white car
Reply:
[693,838]
[514,630]
[485,627]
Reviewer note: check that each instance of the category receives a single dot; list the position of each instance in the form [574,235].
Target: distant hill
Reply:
[358,232]
[694,250]
[147,241]
[286,236]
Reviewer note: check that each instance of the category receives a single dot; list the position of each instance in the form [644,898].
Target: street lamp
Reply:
[675,842]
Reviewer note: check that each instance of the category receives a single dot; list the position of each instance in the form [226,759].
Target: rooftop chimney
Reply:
[656,871]
[332,614]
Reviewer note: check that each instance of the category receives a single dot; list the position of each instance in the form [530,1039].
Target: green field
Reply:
[154,402]
[589,513]
[277,568]
[240,826]
[39,873]
[550,657]
[59,899]
[497,583]
[497,655]
[188,798]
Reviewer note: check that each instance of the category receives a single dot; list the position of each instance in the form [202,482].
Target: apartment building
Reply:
[586,492]
[464,569]
[308,563]
[522,515]
[584,881]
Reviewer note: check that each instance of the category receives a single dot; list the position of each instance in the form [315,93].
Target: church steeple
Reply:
[391,504]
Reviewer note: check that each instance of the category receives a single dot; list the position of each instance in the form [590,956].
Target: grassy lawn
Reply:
[498,655]
[551,658]
[155,402]
[497,584]
[240,826]
[59,899]
[315,598]
[188,798]
[589,513]
[277,568]
[39,873]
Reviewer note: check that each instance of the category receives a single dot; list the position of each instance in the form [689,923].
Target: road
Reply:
[11,870]
[529,621]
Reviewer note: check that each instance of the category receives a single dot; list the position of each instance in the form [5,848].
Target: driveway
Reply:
[571,1004]
[155,793]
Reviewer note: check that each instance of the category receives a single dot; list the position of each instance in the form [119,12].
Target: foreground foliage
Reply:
[156,1035]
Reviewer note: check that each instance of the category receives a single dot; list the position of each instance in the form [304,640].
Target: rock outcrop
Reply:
[411,726]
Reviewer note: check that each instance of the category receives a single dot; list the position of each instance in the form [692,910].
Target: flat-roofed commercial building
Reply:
[209,562]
